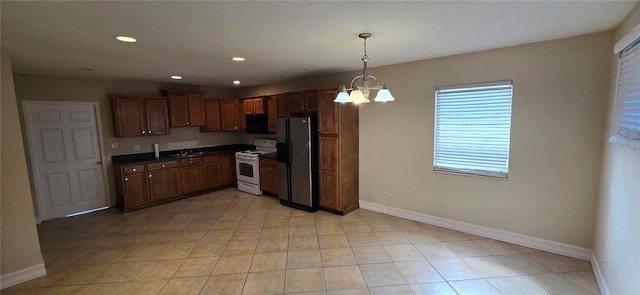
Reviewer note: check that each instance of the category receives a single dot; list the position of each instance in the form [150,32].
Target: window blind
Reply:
[629,94]
[472,128]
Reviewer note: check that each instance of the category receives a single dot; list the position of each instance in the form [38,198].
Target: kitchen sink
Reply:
[188,155]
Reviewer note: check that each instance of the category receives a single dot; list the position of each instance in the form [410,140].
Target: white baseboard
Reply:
[23,275]
[496,234]
[597,272]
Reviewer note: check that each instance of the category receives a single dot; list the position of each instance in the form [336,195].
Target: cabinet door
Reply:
[128,117]
[265,180]
[242,119]
[212,116]
[228,162]
[258,106]
[272,113]
[328,162]
[163,184]
[283,106]
[247,106]
[328,113]
[134,189]
[296,102]
[191,179]
[212,175]
[229,115]
[179,107]
[196,109]
[311,101]
[273,176]
[157,116]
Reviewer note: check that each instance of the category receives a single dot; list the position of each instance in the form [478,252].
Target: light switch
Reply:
[114,145]
[136,147]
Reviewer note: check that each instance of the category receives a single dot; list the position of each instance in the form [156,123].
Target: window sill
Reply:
[623,141]
[470,174]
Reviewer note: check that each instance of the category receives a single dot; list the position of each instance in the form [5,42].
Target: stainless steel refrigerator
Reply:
[298,162]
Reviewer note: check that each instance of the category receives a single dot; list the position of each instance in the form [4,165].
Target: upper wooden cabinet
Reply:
[253,106]
[187,108]
[283,105]
[212,116]
[303,102]
[328,111]
[140,116]
[229,115]
[272,113]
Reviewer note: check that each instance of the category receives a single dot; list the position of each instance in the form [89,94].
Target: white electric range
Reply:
[247,167]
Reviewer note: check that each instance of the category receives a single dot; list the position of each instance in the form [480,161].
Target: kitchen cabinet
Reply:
[337,154]
[272,113]
[191,175]
[229,115]
[163,180]
[131,186]
[212,116]
[212,168]
[139,116]
[228,164]
[187,108]
[253,106]
[268,168]
[303,102]
[140,185]
[283,106]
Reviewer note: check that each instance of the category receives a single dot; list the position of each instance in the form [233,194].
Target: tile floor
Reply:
[228,242]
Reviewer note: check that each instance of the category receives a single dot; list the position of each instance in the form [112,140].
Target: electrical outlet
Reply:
[136,147]
[114,145]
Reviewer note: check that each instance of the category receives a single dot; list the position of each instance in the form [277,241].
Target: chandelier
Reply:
[360,85]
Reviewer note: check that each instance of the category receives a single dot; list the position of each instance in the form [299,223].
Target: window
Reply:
[628,98]
[473,124]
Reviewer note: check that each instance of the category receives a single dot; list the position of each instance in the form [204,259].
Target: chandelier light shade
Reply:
[361,94]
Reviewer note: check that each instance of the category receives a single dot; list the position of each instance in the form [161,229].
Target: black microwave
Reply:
[257,124]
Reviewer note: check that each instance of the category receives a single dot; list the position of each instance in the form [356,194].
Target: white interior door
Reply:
[66,158]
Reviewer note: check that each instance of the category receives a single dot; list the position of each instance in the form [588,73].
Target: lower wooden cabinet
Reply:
[135,188]
[228,164]
[268,168]
[140,185]
[163,180]
[212,168]
[191,175]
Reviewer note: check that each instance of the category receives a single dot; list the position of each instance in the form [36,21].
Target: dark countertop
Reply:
[270,155]
[145,158]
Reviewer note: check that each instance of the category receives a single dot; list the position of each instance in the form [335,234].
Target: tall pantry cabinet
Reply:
[337,153]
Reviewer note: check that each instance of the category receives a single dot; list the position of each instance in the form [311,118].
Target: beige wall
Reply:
[20,247]
[617,233]
[559,102]
[46,88]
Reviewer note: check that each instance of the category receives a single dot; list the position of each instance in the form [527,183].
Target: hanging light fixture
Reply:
[360,85]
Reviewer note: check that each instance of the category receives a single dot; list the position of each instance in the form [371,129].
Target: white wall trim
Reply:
[23,275]
[597,272]
[496,234]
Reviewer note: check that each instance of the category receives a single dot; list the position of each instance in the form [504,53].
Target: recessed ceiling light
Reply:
[176,77]
[238,58]
[236,82]
[126,39]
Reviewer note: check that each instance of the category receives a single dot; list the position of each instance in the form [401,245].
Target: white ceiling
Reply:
[281,40]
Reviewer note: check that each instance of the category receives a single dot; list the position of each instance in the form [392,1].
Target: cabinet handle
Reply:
[188,123]
[236,128]
[144,132]
[126,179]
[134,169]
[149,175]
[190,161]
[149,131]
[162,165]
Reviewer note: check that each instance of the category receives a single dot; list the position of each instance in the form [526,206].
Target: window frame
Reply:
[617,117]
[494,86]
